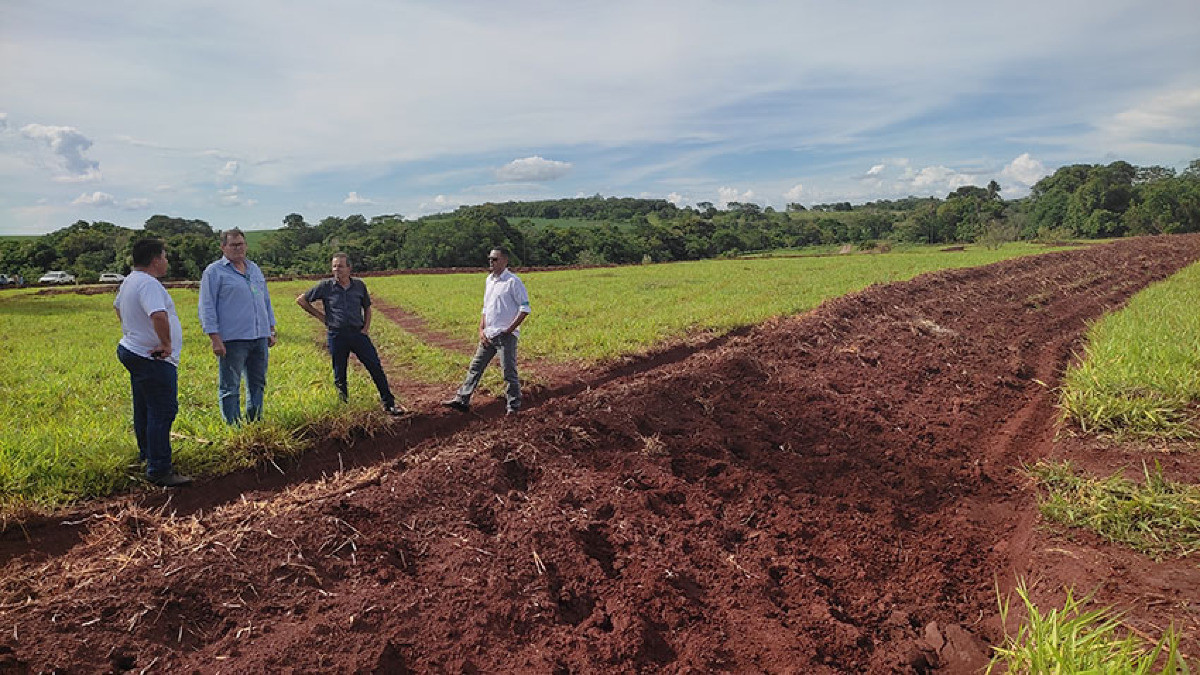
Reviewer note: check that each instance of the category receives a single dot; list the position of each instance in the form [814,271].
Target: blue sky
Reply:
[239,113]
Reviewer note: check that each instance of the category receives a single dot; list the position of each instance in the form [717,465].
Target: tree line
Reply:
[1076,201]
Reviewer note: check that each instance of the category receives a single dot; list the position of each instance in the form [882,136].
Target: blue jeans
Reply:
[243,358]
[155,386]
[506,345]
[341,344]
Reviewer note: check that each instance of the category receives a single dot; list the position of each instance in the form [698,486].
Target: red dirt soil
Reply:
[832,492]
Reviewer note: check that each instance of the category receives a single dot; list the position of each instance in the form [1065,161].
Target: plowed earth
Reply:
[832,492]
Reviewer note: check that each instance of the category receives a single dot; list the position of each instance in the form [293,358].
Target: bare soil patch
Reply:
[833,492]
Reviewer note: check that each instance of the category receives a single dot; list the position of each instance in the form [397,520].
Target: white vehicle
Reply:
[57,277]
[111,278]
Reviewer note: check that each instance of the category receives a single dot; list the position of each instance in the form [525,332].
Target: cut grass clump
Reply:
[1157,517]
[1072,640]
[1139,371]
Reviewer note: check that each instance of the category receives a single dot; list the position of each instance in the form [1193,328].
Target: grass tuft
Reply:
[1157,517]
[1075,640]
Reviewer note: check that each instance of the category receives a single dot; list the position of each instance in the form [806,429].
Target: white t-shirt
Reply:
[140,296]
[503,300]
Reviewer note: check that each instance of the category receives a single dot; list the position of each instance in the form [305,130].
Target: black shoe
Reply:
[395,410]
[457,404]
[170,480]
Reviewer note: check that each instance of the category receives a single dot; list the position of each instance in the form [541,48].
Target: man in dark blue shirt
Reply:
[347,318]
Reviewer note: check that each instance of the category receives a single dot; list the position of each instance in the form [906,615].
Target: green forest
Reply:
[1078,201]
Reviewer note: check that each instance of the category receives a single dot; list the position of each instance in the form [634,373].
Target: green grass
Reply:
[1139,374]
[1156,516]
[600,314]
[1078,640]
[68,432]
[255,237]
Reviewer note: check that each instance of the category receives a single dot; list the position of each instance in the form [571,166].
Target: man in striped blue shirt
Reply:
[236,313]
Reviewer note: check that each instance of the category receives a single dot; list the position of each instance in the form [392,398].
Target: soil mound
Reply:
[833,492]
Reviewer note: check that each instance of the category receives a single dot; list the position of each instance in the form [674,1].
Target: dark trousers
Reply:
[344,342]
[155,385]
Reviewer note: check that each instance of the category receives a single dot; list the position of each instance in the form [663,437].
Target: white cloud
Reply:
[533,169]
[95,199]
[725,86]
[1024,170]
[1172,111]
[103,199]
[228,171]
[728,194]
[68,146]
[353,199]
[793,193]
[3,121]
[232,196]
[937,178]
[676,199]
[876,170]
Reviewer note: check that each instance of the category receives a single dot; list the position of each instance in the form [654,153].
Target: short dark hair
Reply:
[146,250]
[343,256]
[231,232]
[502,251]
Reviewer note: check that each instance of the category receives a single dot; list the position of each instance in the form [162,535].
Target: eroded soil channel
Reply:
[833,492]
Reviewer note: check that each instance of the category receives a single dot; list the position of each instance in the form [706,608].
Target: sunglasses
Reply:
[491,259]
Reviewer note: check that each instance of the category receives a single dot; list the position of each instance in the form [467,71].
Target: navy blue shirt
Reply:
[344,307]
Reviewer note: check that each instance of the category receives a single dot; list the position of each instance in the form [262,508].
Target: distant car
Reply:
[5,280]
[57,277]
[111,278]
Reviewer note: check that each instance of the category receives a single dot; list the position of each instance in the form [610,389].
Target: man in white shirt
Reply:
[151,340]
[505,306]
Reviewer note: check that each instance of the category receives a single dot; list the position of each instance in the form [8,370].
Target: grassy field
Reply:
[68,433]
[1139,372]
[598,314]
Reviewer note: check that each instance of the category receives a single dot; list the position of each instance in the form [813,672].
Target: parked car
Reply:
[111,278]
[6,280]
[57,277]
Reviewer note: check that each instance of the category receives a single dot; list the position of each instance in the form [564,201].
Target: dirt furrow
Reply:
[834,492]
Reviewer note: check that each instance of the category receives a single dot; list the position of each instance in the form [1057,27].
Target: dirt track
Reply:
[834,492]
